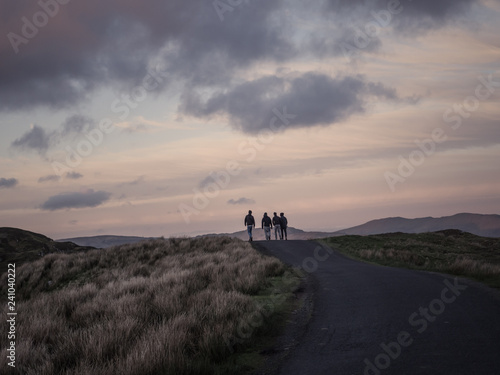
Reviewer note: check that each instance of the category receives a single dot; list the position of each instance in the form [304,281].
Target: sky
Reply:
[173,118]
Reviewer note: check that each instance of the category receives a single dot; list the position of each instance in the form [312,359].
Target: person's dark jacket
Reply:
[284,222]
[249,220]
[276,220]
[266,222]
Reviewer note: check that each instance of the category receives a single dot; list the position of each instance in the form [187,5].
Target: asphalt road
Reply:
[369,319]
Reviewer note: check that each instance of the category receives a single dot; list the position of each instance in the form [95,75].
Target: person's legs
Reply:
[267,231]
[283,233]
[277,232]
[249,230]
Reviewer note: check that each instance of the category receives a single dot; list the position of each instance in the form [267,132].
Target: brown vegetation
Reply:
[157,307]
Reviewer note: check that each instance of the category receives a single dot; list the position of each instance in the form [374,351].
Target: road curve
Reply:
[373,320]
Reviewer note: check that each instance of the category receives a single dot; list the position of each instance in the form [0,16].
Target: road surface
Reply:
[369,319]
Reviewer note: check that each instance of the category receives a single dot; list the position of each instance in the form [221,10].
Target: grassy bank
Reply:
[451,251]
[176,306]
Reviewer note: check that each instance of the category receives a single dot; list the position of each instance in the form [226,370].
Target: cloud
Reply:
[76,125]
[307,100]
[139,180]
[53,178]
[116,44]
[74,175]
[69,200]
[241,201]
[50,178]
[7,183]
[409,16]
[90,45]
[36,139]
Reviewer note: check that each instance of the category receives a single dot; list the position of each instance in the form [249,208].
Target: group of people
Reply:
[280,223]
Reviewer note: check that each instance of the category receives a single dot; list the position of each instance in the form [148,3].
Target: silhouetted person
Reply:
[277,227]
[267,225]
[250,223]
[284,225]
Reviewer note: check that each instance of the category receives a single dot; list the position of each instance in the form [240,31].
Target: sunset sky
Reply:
[167,118]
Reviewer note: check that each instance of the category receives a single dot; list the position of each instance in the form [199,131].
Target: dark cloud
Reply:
[36,139]
[114,44]
[50,178]
[406,15]
[75,125]
[55,178]
[241,201]
[39,140]
[74,175]
[277,103]
[91,44]
[7,183]
[86,199]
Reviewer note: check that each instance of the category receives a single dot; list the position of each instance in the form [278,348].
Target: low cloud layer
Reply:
[7,183]
[69,200]
[310,99]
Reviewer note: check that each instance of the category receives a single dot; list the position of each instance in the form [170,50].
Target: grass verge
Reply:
[450,251]
[176,306]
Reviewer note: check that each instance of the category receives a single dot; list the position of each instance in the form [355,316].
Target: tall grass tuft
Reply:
[162,306]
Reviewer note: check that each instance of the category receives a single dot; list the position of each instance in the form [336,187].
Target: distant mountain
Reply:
[480,225]
[105,241]
[19,246]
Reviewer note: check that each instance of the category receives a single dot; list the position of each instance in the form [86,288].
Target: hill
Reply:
[163,306]
[20,246]
[480,225]
[105,241]
[449,251]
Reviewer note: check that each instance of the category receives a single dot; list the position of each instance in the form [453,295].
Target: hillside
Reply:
[449,251]
[105,241]
[176,306]
[20,246]
[480,225]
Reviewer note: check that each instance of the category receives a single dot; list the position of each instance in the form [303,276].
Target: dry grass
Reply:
[158,307]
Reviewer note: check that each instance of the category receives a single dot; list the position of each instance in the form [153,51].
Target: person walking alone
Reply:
[277,227]
[249,223]
[284,225]
[267,225]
